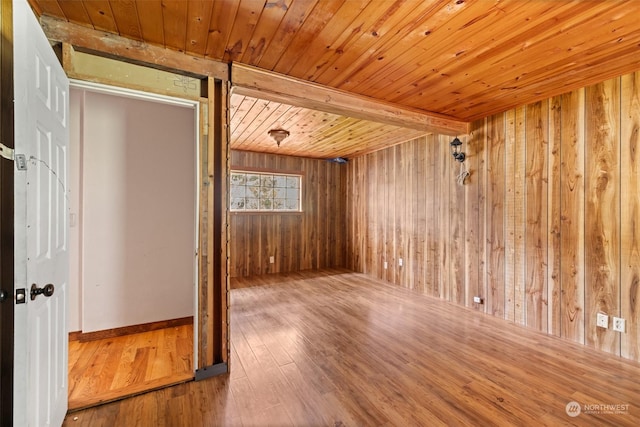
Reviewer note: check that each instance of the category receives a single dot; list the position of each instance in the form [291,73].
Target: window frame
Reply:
[261,171]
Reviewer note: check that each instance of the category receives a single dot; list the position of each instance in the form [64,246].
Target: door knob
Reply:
[47,291]
[3,295]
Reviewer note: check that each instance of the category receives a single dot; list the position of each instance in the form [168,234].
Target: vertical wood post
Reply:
[213,281]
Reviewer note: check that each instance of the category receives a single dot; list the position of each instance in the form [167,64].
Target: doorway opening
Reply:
[133,242]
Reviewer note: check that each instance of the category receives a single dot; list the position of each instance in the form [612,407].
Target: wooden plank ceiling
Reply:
[465,59]
[313,133]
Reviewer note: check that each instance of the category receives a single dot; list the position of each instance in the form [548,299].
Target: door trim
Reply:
[6,214]
[182,102]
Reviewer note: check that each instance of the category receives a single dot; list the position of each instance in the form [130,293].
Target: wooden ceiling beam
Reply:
[257,83]
[86,39]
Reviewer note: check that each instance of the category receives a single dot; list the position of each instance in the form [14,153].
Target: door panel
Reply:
[41,230]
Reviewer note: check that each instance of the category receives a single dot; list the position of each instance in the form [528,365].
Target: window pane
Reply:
[293,182]
[253,192]
[266,193]
[279,181]
[293,193]
[252,204]
[266,204]
[291,204]
[237,191]
[253,179]
[280,193]
[267,181]
[238,178]
[237,204]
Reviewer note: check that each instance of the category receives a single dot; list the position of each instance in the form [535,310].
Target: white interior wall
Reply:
[136,211]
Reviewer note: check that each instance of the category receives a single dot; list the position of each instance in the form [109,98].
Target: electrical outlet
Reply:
[602,320]
[385,265]
[400,262]
[272,260]
[618,324]
[477,300]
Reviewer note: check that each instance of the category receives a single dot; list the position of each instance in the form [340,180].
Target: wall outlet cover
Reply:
[602,320]
[618,324]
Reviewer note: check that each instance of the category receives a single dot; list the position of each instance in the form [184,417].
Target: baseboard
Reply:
[128,330]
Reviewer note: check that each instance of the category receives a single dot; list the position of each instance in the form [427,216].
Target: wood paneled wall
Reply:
[546,228]
[312,239]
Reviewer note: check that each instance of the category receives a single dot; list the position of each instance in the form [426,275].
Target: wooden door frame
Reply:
[211,332]
[140,95]
[213,282]
[6,213]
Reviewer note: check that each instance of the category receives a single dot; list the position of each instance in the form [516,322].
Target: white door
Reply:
[41,225]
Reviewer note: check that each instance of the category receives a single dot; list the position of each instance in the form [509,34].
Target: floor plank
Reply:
[337,348]
[109,369]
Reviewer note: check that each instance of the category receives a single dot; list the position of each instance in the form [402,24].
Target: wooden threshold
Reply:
[128,330]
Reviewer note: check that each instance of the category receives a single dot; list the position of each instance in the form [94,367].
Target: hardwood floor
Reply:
[338,348]
[108,369]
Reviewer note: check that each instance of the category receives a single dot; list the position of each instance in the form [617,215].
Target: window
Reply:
[265,192]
